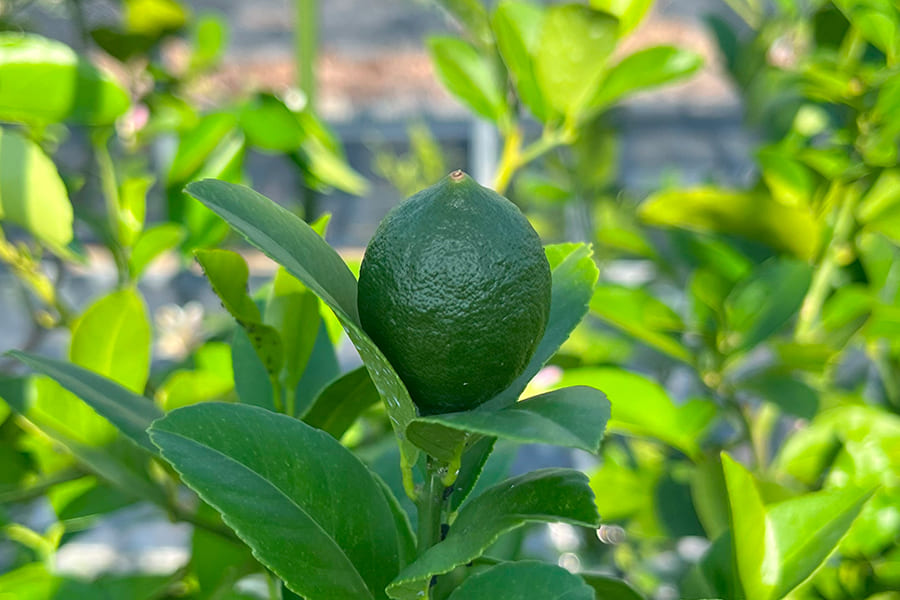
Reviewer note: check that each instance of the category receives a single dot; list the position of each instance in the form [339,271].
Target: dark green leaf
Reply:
[299,249]
[544,495]
[251,380]
[574,274]
[341,402]
[574,417]
[45,81]
[524,580]
[610,588]
[307,507]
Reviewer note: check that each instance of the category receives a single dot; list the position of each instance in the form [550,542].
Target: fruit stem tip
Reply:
[457,175]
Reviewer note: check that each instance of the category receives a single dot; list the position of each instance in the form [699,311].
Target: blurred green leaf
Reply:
[45,81]
[547,495]
[517,27]
[746,214]
[198,144]
[572,54]
[113,338]
[293,311]
[472,15]
[469,76]
[780,545]
[153,242]
[251,380]
[330,168]
[790,181]
[642,407]
[154,17]
[629,12]
[639,314]
[642,70]
[789,393]
[764,302]
[270,125]
[128,412]
[31,189]
[210,38]
[527,579]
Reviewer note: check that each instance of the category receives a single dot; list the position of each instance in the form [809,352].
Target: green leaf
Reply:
[45,81]
[749,215]
[251,380]
[765,301]
[548,495]
[228,274]
[778,546]
[472,15]
[573,417]
[642,407]
[787,392]
[321,369]
[328,167]
[341,402]
[642,70]
[293,311]
[469,76]
[882,199]
[790,182]
[299,249]
[113,338]
[31,189]
[270,125]
[183,387]
[574,274]
[524,580]
[130,413]
[309,509]
[517,27]
[210,33]
[639,314]
[629,12]
[610,588]
[153,242]
[575,43]
[437,440]
[111,462]
[154,17]
[198,144]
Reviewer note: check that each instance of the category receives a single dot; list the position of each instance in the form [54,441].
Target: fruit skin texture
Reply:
[454,289]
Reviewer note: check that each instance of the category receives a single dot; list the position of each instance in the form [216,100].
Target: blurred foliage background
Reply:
[746,329]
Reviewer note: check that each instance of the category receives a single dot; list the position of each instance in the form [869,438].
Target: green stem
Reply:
[514,157]
[430,508]
[40,487]
[827,268]
[110,188]
[290,401]
[306,45]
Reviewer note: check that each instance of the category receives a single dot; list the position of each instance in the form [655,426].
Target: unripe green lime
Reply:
[454,289]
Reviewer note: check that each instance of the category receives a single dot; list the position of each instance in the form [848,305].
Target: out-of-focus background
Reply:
[720,176]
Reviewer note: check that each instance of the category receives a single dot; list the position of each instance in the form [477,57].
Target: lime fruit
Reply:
[454,289]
